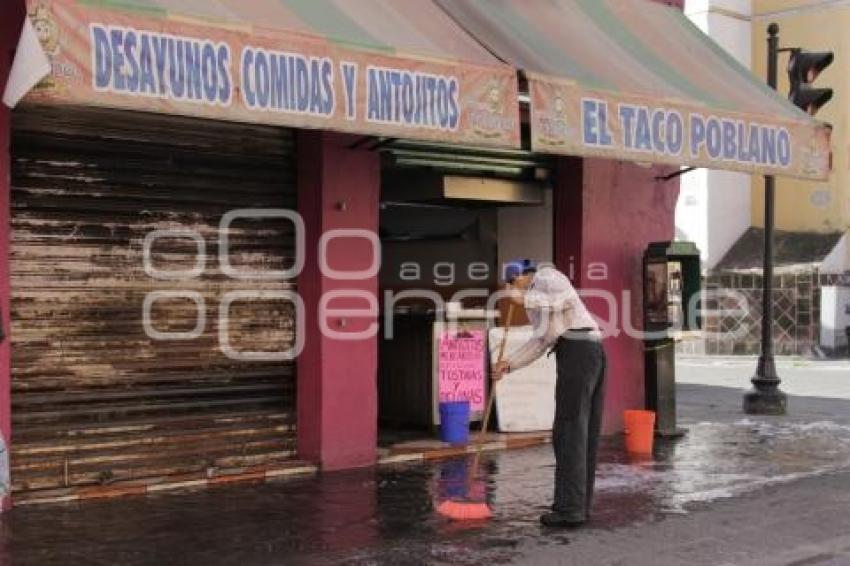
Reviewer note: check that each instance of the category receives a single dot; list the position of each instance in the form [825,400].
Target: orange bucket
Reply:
[640,431]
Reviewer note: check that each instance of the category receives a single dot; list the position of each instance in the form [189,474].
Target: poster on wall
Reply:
[107,54]
[461,367]
[655,300]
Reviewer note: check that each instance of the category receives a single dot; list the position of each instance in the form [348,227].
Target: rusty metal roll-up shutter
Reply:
[98,395]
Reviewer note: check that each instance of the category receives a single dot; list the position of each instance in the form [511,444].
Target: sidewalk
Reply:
[735,490]
[812,380]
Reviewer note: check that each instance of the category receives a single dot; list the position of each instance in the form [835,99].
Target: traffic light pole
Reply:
[766,398]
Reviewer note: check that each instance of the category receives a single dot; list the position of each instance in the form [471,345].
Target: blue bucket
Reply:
[454,422]
[453,479]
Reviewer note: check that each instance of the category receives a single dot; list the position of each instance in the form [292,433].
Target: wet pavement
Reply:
[386,515]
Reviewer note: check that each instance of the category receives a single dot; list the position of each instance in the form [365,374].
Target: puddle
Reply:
[386,515]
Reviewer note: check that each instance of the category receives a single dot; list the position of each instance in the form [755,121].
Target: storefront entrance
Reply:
[121,369]
[450,218]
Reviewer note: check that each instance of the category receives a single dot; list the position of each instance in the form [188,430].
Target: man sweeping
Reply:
[563,326]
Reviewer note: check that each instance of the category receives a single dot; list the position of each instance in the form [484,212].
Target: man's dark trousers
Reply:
[579,397]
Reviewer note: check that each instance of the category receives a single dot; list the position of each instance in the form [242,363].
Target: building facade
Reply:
[812,218]
[714,209]
[802,206]
[91,402]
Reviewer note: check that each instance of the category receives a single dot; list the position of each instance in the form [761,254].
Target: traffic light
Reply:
[803,68]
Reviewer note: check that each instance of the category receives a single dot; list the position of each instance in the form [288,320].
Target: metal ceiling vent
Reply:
[431,172]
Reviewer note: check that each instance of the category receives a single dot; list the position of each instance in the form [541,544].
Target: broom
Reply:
[477,510]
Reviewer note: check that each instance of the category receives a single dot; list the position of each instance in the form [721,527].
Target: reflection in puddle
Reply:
[713,461]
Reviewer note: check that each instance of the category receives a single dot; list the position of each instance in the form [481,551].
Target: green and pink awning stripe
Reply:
[394,69]
[406,28]
[633,79]
[625,79]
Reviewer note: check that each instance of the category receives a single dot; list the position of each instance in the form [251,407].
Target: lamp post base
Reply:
[769,401]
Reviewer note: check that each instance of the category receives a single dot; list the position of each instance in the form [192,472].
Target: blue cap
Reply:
[517,267]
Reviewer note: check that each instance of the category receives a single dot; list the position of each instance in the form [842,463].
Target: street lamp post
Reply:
[766,398]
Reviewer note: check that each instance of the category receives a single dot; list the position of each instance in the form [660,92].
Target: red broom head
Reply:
[464,511]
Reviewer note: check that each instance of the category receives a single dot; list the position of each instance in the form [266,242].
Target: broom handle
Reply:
[489,410]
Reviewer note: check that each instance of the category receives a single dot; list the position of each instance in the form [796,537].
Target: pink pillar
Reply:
[338,188]
[606,213]
[11,18]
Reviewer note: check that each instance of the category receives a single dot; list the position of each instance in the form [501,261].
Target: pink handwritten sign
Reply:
[461,367]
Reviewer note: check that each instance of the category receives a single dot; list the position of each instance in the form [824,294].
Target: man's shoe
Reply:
[557,520]
[552,508]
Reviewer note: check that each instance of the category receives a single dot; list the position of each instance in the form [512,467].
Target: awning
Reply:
[394,69]
[634,79]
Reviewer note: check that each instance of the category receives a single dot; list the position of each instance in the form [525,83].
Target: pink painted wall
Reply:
[337,379]
[11,17]
[606,213]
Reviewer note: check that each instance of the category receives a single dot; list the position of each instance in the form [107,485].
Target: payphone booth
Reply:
[672,286]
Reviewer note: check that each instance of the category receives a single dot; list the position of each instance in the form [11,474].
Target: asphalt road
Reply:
[802,522]
[806,522]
